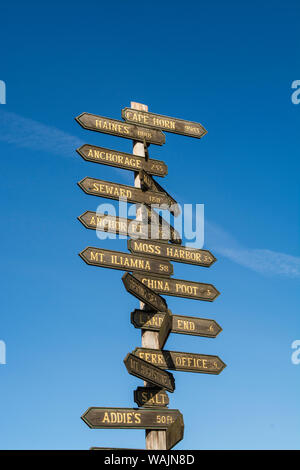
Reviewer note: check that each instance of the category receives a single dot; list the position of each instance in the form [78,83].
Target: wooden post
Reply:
[154,439]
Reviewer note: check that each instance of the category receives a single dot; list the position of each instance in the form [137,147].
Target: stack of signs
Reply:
[153,243]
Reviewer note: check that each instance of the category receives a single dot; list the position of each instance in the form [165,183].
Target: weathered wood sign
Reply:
[181,361]
[122,226]
[106,125]
[180,287]
[150,373]
[150,396]
[181,324]
[156,221]
[127,161]
[124,261]
[175,432]
[168,124]
[149,184]
[129,418]
[144,293]
[118,191]
[165,329]
[180,254]
[113,224]
[136,418]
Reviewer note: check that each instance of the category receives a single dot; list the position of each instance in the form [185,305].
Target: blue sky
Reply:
[66,325]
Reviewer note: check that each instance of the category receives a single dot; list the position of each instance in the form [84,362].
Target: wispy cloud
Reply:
[260,260]
[27,133]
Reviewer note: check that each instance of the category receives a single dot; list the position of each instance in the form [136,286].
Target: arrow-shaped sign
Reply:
[180,254]
[181,361]
[143,293]
[137,418]
[127,161]
[120,225]
[168,124]
[124,261]
[180,323]
[148,372]
[92,122]
[179,287]
[123,192]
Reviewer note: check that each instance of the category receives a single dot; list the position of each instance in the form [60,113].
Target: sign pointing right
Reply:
[168,124]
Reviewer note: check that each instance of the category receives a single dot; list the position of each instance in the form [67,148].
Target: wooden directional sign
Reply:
[110,223]
[127,161]
[180,254]
[181,361]
[144,293]
[118,191]
[168,124]
[179,287]
[151,396]
[175,432]
[165,329]
[124,261]
[121,226]
[157,221]
[148,372]
[181,324]
[106,125]
[149,183]
[134,418]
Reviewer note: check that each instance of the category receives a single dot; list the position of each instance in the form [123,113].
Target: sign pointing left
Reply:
[105,125]
[124,261]
[137,418]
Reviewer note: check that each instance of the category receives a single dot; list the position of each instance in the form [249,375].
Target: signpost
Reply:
[123,192]
[181,324]
[124,261]
[105,125]
[149,261]
[180,287]
[144,370]
[180,254]
[181,361]
[127,161]
[144,293]
[151,396]
[168,124]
